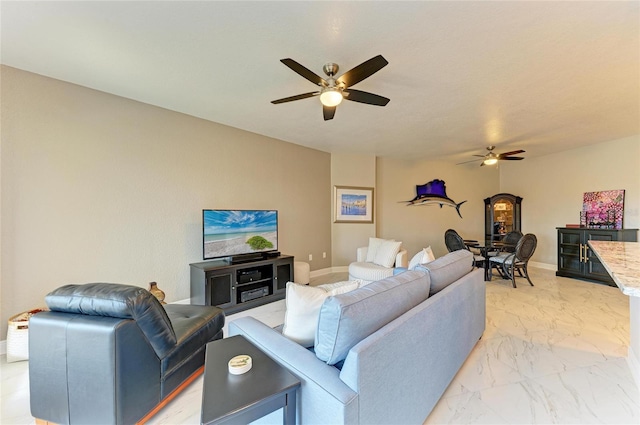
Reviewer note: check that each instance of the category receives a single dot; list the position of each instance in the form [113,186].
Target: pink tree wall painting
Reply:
[604,209]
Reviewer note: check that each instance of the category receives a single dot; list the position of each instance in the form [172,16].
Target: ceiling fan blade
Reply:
[297,97]
[328,112]
[511,153]
[511,158]
[466,162]
[304,72]
[365,97]
[362,71]
[481,156]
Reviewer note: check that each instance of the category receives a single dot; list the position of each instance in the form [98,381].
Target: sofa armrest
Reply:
[402,259]
[361,254]
[323,397]
[90,369]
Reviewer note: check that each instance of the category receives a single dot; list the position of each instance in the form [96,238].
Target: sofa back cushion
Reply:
[386,253]
[347,319]
[447,269]
[120,301]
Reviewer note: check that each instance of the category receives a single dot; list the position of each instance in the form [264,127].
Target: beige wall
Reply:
[552,187]
[357,171]
[96,187]
[100,188]
[421,226]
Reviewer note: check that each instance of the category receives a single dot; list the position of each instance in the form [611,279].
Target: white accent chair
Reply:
[368,272]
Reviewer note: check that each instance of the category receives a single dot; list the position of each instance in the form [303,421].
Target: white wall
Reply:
[96,187]
[552,187]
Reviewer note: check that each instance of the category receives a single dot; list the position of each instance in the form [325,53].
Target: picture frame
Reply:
[353,204]
[603,209]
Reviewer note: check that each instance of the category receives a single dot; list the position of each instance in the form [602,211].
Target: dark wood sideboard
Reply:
[575,258]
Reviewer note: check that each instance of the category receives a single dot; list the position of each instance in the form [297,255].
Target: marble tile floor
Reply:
[552,353]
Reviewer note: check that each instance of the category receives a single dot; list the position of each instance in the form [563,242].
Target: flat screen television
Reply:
[236,233]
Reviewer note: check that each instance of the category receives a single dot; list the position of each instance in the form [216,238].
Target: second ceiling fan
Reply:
[333,90]
[491,157]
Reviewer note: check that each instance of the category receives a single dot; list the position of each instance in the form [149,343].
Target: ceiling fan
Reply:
[491,157]
[333,90]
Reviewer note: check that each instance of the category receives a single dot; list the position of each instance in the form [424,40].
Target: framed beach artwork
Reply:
[353,204]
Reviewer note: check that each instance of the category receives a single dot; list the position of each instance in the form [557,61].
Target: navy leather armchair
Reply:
[110,353]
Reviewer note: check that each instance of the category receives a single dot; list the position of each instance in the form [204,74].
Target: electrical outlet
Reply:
[324,255]
[310,257]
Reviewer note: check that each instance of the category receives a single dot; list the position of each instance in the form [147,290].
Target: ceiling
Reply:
[539,76]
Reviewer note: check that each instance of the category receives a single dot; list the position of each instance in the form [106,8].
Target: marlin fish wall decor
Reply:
[434,193]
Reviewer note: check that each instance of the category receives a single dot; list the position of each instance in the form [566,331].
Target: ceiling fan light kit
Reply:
[331,97]
[334,90]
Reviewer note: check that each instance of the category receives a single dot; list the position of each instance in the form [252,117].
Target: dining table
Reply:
[489,250]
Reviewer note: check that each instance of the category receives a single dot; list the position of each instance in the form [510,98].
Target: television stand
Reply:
[240,286]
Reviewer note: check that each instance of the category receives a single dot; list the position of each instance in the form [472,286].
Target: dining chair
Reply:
[510,262]
[507,244]
[455,242]
[510,240]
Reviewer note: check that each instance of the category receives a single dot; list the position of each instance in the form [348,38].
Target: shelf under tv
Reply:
[222,284]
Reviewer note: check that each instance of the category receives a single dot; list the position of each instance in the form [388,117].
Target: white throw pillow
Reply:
[386,253]
[424,256]
[428,254]
[416,259]
[374,244]
[303,305]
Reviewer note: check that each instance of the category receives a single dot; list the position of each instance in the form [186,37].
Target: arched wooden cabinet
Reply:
[502,214]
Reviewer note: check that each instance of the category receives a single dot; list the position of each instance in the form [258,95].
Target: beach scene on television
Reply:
[234,232]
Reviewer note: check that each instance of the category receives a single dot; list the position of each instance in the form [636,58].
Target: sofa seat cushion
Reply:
[447,269]
[195,326]
[348,318]
[368,271]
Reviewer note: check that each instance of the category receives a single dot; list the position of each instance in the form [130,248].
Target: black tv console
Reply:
[237,287]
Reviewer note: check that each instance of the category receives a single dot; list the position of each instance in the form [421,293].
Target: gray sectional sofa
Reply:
[384,353]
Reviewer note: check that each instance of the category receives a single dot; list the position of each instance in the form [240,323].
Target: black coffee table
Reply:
[228,398]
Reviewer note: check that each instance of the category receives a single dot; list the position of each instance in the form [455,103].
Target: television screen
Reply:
[226,233]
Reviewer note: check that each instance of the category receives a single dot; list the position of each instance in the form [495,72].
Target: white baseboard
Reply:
[328,270]
[543,265]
